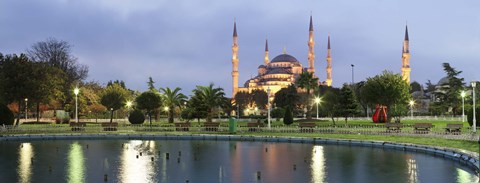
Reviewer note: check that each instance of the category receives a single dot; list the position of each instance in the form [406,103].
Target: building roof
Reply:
[284,58]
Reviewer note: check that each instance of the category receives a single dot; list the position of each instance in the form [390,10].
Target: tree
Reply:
[288,118]
[242,101]
[6,116]
[286,97]
[387,89]
[260,97]
[151,85]
[347,103]
[331,103]
[171,99]
[16,84]
[148,101]
[198,108]
[96,109]
[211,98]
[449,94]
[307,81]
[415,86]
[360,96]
[58,54]
[113,97]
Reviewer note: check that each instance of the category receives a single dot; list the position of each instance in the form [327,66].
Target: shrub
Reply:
[288,118]
[6,116]
[278,113]
[470,116]
[136,117]
[66,120]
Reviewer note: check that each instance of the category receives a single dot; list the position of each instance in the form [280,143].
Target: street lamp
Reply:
[26,109]
[76,91]
[474,84]
[268,106]
[353,81]
[129,104]
[317,101]
[411,107]
[463,105]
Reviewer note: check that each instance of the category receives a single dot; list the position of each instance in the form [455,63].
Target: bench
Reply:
[110,126]
[255,126]
[454,128]
[211,126]
[80,126]
[422,127]
[182,126]
[306,127]
[394,127]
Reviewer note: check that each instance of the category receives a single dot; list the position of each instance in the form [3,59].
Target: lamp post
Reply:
[26,109]
[411,108]
[76,91]
[268,106]
[317,101]
[463,105]
[474,84]
[353,81]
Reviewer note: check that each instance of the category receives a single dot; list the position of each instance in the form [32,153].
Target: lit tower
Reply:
[329,64]
[235,60]
[311,45]
[406,58]
[266,60]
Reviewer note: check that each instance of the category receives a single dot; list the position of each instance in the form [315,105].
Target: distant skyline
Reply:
[188,43]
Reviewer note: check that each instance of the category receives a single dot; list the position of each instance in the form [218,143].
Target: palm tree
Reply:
[307,81]
[211,97]
[171,99]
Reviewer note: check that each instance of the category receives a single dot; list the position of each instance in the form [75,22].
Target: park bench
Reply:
[211,126]
[182,126]
[394,127]
[80,126]
[422,127]
[454,128]
[306,127]
[255,126]
[110,126]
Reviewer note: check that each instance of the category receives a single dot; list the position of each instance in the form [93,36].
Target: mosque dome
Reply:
[443,81]
[262,66]
[284,58]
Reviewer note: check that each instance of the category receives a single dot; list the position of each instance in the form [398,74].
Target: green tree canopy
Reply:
[347,103]
[448,95]
[307,81]
[148,101]
[387,89]
[211,98]
[171,99]
[113,98]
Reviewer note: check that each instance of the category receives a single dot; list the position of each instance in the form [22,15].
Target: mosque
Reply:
[281,71]
[284,69]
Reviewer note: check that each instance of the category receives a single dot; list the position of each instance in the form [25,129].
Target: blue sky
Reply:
[187,43]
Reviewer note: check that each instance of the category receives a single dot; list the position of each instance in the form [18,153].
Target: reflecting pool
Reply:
[217,161]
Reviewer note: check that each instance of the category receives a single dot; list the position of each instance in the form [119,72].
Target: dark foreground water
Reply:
[218,161]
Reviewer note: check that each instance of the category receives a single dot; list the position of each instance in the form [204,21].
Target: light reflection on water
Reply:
[25,159]
[76,163]
[318,164]
[412,169]
[141,169]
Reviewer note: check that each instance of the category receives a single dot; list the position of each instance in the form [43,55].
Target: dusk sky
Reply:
[187,43]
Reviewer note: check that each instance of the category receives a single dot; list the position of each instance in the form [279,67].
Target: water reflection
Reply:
[25,162]
[76,163]
[464,176]
[318,164]
[141,169]
[412,169]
